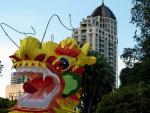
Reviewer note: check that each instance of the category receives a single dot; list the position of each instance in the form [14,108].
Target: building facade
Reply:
[17,79]
[100,30]
[14,90]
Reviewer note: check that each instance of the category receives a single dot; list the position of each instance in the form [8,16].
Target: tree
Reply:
[139,72]
[124,76]
[6,104]
[97,81]
[129,99]
[137,59]
[141,18]
[134,94]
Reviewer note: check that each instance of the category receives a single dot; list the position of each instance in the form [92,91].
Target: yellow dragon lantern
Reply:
[53,73]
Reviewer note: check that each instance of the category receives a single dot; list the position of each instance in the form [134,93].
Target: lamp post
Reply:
[1,67]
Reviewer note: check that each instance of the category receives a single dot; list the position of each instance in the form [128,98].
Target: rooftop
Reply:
[103,11]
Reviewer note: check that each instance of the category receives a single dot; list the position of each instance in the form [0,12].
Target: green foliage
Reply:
[141,18]
[129,99]
[124,76]
[129,56]
[6,104]
[146,48]
[139,72]
[97,81]
[11,103]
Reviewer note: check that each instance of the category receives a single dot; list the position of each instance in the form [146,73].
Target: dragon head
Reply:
[51,70]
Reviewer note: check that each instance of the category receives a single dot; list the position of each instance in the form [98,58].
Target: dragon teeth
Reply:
[44,76]
[45,72]
[45,95]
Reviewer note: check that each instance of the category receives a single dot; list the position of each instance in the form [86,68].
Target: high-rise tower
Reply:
[100,30]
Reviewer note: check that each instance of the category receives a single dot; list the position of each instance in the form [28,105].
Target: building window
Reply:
[96,35]
[90,44]
[107,30]
[76,37]
[110,54]
[101,41]
[91,35]
[83,24]
[100,31]
[91,39]
[96,39]
[100,19]
[76,32]
[97,24]
[100,25]
[96,30]
[101,50]
[101,45]
[103,26]
[83,40]
[111,21]
[93,22]
[110,49]
[83,37]
[103,33]
[89,25]
[89,21]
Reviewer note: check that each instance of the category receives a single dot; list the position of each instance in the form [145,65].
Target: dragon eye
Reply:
[64,63]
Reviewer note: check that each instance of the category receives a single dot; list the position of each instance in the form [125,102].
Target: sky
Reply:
[22,14]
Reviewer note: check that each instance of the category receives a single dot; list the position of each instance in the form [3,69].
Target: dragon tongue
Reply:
[38,84]
[49,84]
[29,88]
[33,85]
[48,81]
